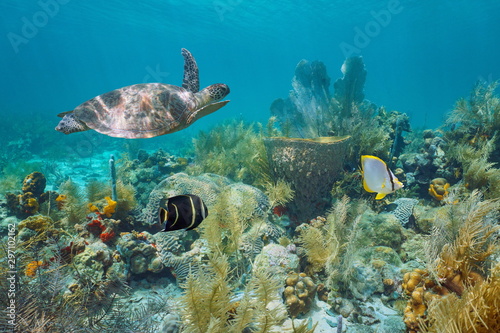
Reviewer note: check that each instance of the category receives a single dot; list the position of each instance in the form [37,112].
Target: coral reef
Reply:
[402,208]
[438,188]
[208,187]
[139,253]
[147,170]
[277,261]
[269,257]
[477,119]
[32,197]
[310,112]
[476,310]
[299,293]
[310,166]
[36,229]
[453,268]
[429,163]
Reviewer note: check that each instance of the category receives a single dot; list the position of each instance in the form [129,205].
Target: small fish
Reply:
[377,177]
[182,212]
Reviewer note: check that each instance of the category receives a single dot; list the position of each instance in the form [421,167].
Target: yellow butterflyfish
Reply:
[377,177]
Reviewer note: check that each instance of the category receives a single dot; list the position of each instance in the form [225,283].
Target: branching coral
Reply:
[478,172]
[208,302]
[477,310]
[460,271]
[279,193]
[75,209]
[479,116]
[329,245]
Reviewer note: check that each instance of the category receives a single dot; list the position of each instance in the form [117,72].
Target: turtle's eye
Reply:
[219,91]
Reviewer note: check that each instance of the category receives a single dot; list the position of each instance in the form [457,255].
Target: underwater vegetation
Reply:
[234,150]
[460,274]
[472,139]
[476,119]
[289,239]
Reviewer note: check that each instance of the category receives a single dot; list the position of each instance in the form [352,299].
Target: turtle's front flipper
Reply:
[191,79]
[206,110]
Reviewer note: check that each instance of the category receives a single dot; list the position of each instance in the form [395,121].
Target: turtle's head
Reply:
[207,101]
[69,124]
[217,91]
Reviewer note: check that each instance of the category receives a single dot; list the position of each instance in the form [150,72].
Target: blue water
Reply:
[421,56]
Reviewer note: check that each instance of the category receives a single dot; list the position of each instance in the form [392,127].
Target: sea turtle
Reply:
[148,109]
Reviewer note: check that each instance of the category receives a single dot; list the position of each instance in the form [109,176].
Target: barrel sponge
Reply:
[310,166]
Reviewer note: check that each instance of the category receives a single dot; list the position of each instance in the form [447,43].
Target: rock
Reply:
[392,324]
[277,261]
[372,266]
[171,324]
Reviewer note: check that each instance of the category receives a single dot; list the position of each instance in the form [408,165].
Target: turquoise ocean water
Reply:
[74,247]
[420,55]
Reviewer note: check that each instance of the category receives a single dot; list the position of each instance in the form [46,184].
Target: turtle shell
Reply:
[138,111]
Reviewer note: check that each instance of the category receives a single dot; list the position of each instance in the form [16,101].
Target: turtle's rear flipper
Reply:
[206,110]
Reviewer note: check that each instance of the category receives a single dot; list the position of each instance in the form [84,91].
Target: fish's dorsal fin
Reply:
[62,114]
